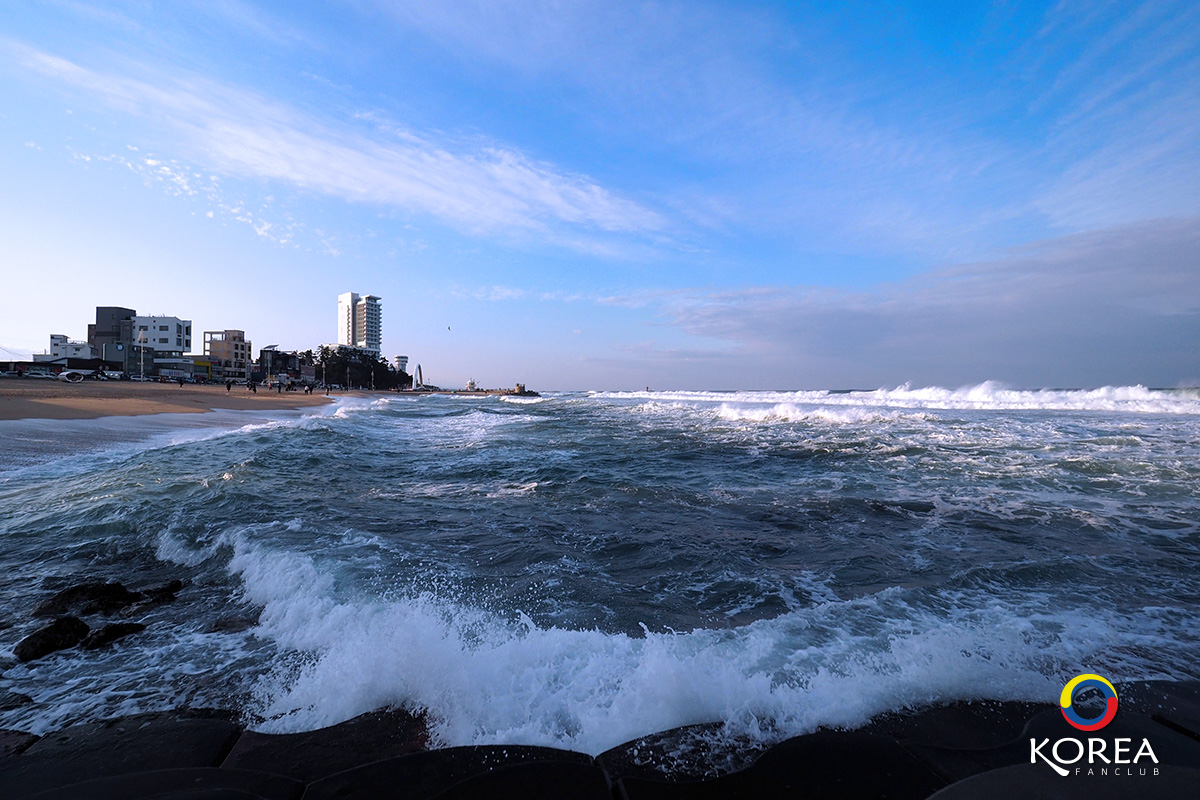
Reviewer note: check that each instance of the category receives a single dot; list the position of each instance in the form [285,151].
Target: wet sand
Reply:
[30,398]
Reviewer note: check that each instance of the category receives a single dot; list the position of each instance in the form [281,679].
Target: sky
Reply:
[600,195]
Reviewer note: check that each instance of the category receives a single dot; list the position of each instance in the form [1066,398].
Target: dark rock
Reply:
[1038,780]
[562,780]
[690,753]
[11,700]
[110,633]
[152,598]
[314,754]
[64,632]
[14,742]
[200,783]
[955,764]
[1175,704]
[962,725]
[87,598]
[425,775]
[826,764]
[169,740]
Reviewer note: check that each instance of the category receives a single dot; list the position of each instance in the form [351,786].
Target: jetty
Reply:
[473,391]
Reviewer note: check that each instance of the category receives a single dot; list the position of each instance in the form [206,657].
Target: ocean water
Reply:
[581,569]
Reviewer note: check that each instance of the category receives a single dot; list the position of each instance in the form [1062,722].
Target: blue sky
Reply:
[618,195]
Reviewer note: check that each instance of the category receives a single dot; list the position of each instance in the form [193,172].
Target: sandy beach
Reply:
[43,399]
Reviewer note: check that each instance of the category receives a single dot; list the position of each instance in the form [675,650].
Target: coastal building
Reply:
[112,337]
[285,366]
[205,368]
[360,321]
[62,348]
[402,363]
[165,334]
[169,338]
[229,352]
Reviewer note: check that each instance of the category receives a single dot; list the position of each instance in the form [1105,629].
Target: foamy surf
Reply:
[484,678]
[591,568]
[987,396]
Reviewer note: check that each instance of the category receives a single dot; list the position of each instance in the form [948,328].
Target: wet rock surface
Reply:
[60,634]
[89,599]
[110,633]
[952,751]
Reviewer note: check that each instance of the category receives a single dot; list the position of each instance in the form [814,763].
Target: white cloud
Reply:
[493,190]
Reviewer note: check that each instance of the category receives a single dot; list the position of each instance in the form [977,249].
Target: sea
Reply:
[583,568]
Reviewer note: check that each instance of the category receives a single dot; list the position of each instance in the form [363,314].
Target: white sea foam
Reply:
[986,396]
[343,407]
[790,412]
[512,490]
[484,678]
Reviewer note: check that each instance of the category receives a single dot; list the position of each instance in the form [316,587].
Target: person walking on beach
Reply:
[228,386]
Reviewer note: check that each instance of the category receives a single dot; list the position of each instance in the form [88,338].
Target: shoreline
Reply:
[25,399]
[949,751]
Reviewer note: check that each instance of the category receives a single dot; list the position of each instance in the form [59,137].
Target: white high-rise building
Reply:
[360,321]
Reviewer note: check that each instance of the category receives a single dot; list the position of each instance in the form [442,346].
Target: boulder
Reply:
[110,633]
[64,632]
[87,598]
[154,597]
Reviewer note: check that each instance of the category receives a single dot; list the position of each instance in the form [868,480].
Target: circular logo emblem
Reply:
[1081,683]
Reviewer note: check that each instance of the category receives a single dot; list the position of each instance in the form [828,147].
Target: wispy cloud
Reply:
[491,190]
[1123,97]
[248,19]
[821,153]
[790,133]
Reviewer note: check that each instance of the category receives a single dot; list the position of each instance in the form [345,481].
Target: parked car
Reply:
[71,376]
[140,378]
